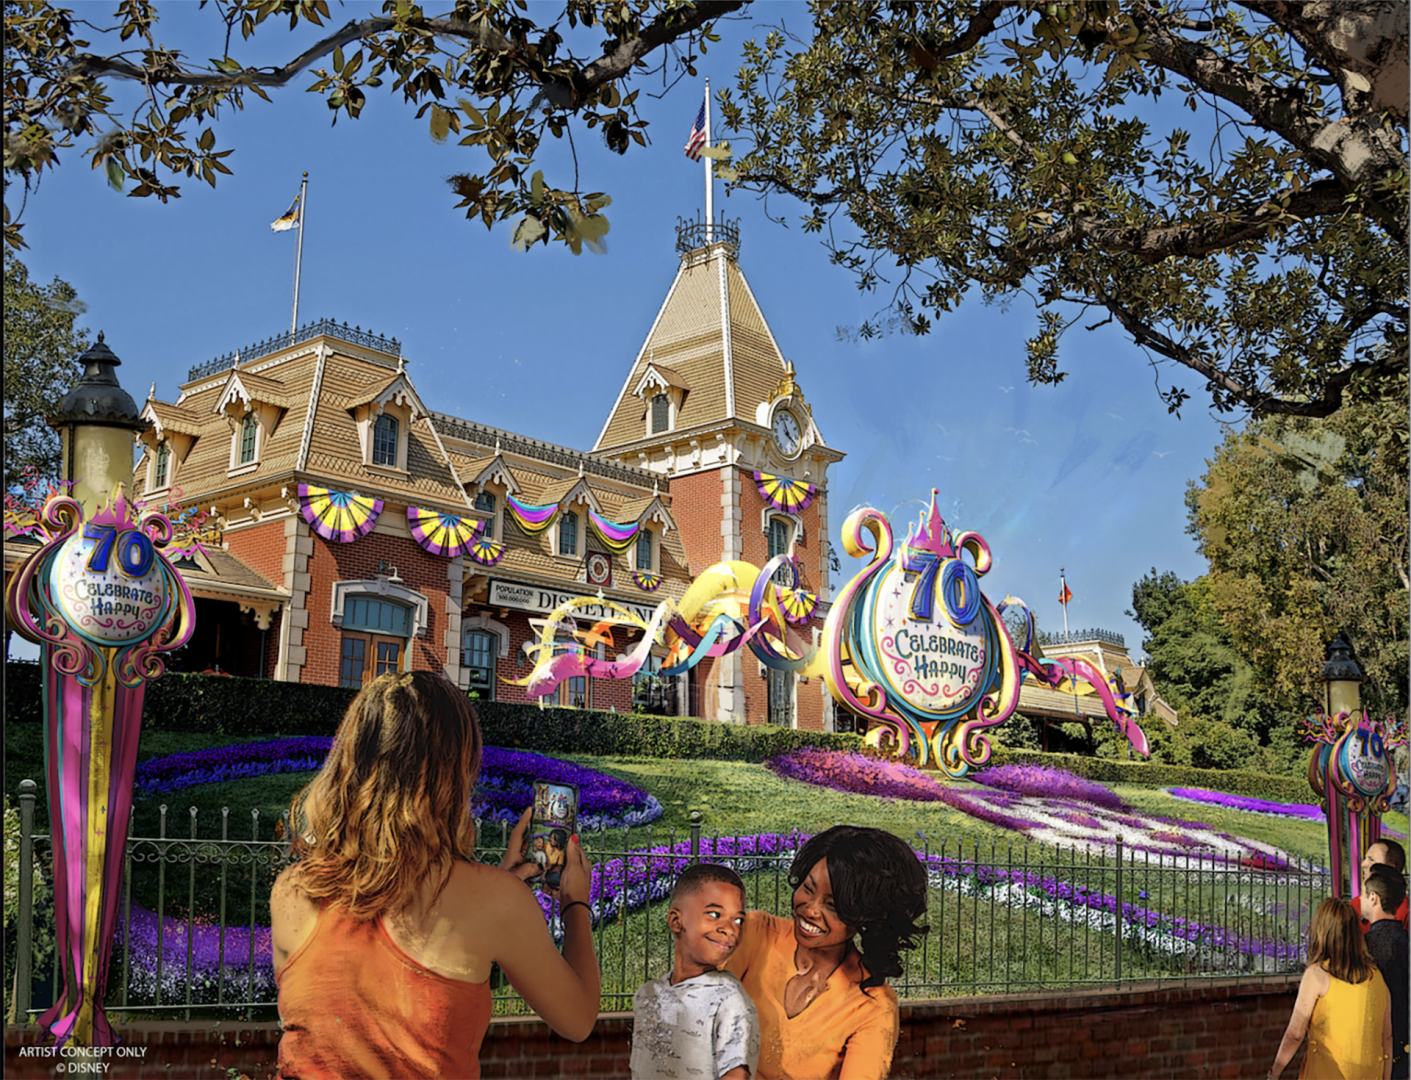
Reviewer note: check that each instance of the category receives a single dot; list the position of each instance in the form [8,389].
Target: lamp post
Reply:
[103,603]
[1349,768]
[1342,681]
[96,421]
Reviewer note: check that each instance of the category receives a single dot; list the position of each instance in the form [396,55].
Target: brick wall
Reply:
[1202,1031]
[330,562]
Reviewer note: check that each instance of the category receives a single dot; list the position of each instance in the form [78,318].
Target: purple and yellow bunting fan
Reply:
[338,515]
[484,550]
[618,538]
[783,493]
[531,520]
[798,604]
[442,534]
[646,582]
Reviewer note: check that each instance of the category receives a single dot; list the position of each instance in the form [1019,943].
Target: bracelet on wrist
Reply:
[575,903]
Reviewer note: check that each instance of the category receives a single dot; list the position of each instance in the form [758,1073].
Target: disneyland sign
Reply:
[514,594]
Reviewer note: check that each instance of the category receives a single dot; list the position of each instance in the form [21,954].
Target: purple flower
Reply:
[856,774]
[1042,781]
[505,787]
[1250,805]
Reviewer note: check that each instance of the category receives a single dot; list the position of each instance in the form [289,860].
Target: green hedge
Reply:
[227,705]
[1108,770]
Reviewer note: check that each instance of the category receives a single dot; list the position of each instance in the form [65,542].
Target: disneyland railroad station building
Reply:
[352,529]
[337,526]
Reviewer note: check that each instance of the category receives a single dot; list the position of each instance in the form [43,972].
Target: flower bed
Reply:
[505,787]
[1045,804]
[1040,780]
[856,774]
[1249,805]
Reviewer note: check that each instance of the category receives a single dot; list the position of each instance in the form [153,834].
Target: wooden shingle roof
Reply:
[713,339]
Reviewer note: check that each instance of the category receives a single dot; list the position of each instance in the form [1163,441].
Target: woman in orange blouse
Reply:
[385,929]
[825,1009]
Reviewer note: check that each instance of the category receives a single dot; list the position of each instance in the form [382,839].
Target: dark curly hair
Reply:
[879,887]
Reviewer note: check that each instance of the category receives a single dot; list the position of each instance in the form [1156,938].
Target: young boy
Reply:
[1383,892]
[698,1022]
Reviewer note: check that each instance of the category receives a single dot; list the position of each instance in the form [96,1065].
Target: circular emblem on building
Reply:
[110,586]
[599,568]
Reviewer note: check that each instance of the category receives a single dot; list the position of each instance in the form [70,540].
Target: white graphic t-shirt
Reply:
[699,1029]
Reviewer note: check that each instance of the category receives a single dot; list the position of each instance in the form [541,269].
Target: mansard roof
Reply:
[709,337]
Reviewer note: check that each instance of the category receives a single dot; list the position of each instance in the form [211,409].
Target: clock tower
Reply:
[711,402]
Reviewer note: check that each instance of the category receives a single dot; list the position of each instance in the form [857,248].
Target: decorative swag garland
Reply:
[343,516]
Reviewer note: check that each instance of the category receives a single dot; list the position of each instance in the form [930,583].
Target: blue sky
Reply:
[1088,475]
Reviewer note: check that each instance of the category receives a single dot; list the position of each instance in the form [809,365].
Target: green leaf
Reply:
[338,58]
[536,188]
[717,153]
[440,124]
[529,232]
[115,173]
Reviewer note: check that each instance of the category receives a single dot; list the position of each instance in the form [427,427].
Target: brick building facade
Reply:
[354,529]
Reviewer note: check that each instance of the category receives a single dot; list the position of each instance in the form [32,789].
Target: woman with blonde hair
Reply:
[1343,1006]
[385,927]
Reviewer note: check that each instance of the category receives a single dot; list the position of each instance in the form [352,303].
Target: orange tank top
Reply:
[353,1004]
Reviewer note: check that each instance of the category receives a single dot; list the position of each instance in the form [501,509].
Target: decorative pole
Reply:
[299,254]
[1349,767]
[102,602]
[709,172]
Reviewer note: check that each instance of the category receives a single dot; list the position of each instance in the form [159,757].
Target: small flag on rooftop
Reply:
[698,135]
[289,219]
[1065,594]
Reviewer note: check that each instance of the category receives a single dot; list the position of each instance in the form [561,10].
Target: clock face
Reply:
[599,568]
[786,433]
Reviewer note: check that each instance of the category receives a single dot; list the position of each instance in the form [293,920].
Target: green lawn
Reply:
[982,938]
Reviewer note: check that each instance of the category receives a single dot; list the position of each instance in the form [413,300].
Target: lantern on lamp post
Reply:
[103,603]
[1349,768]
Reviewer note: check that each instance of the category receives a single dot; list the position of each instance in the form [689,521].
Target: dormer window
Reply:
[644,550]
[163,465]
[385,413]
[253,406]
[249,431]
[485,501]
[568,533]
[663,392]
[385,441]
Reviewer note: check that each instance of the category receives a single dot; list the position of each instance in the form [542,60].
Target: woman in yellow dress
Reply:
[1343,1006]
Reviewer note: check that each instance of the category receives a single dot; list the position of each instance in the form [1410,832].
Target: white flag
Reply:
[287,220]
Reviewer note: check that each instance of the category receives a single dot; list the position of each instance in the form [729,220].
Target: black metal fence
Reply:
[192,934]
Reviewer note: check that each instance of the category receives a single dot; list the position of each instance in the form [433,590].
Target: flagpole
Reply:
[1062,590]
[299,255]
[709,171]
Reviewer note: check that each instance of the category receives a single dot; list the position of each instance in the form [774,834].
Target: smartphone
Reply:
[554,820]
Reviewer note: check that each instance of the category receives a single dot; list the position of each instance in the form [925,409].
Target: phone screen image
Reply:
[554,820]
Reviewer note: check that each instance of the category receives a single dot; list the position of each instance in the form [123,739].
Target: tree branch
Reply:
[662,30]
[1208,236]
[1262,403]
[1368,39]
[1349,150]
[667,27]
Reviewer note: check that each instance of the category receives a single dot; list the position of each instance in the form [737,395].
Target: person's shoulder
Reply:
[762,922]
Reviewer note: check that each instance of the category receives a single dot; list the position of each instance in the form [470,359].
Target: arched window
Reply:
[661,413]
[478,656]
[374,640]
[248,427]
[384,440]
[781,531]
[644,550]
[159,478]
[568,533]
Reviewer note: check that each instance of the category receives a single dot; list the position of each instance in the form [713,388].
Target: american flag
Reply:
[698,136]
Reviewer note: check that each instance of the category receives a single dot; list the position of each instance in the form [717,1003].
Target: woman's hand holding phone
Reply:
[513,859]
[577,880]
